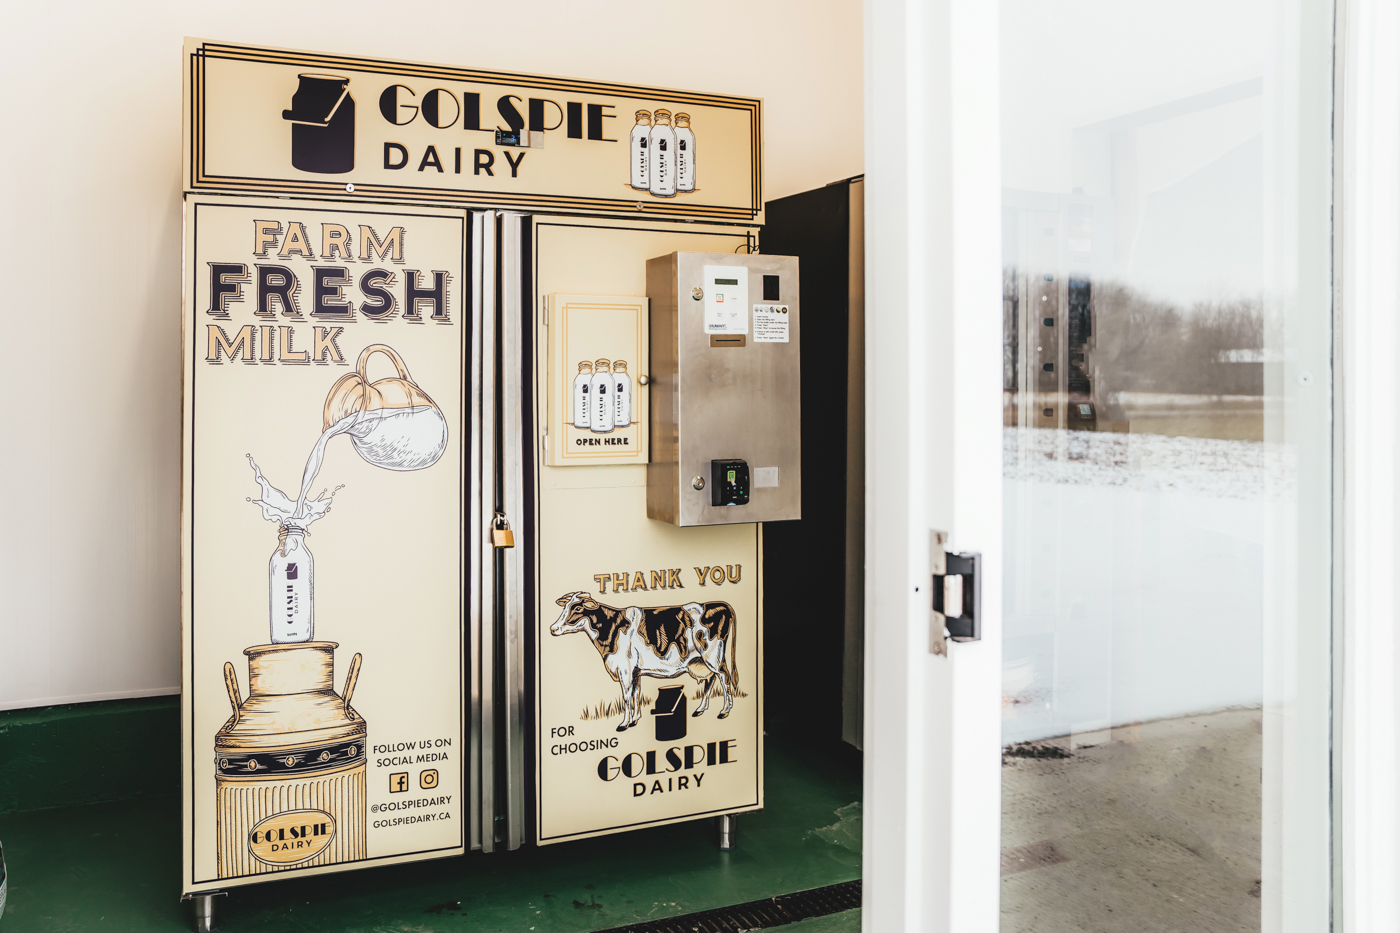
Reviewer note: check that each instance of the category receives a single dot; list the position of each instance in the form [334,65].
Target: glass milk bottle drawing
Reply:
[601,414]
[685,154]
[290,588]
[582,384]
[641,170]
[663,156]
[622,394]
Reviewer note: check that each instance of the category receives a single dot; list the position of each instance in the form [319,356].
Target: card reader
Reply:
[729,482]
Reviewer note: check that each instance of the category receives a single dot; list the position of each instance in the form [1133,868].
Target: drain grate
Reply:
[757,915]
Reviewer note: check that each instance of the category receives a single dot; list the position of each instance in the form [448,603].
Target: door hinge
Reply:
[956,605]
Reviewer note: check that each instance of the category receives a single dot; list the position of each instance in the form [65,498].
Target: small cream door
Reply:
[597,409]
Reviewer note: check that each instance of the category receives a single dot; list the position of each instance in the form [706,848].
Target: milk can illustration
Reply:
[290,764]
[323,125]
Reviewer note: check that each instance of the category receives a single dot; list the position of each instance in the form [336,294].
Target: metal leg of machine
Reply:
[204,910]
[725,831]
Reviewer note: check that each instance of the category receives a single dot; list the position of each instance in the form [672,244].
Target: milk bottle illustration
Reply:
[289,588]
[582,384]
[641,177]
[685,154]
[662,149]
[622,394]
[600,408]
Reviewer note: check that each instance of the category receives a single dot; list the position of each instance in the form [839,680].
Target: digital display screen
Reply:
[726,281]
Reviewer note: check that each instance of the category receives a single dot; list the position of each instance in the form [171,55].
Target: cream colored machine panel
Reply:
[323,697]
[597,404]
[648,686]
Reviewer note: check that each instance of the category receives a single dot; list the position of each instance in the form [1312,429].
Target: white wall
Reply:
[89,319]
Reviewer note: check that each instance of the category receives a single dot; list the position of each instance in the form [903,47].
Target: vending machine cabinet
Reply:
[726,444]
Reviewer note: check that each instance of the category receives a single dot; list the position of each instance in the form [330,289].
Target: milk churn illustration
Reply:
[290,764]
[583,413]
[323,125]
[398,427]
[601,413]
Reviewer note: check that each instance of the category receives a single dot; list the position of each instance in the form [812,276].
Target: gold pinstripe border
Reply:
[203,181]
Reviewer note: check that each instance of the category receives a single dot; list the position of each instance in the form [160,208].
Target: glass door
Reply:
[1167,450]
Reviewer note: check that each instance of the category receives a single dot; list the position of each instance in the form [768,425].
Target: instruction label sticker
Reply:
[770,323]
[726,300]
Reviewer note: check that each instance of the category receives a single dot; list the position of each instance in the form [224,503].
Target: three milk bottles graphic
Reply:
[290,763]
[602,396]
[662,157]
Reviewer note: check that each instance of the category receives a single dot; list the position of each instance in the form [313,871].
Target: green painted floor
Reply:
[115,866]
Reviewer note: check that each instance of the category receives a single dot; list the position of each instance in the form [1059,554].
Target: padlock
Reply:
[501,535]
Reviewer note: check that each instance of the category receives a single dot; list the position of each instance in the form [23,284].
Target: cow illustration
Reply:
[697,638]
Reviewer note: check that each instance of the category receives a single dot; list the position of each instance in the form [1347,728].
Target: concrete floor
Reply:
[1148,828]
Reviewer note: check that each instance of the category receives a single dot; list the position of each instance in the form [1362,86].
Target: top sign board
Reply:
[276,121]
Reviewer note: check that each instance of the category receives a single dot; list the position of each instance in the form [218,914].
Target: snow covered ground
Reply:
[1133,587]
[1150,462]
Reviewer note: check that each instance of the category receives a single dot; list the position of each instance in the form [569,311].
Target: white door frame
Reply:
[1368,389]
[933,364]
[932,832]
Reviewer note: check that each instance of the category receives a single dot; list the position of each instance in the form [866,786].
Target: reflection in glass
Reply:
[1166,378]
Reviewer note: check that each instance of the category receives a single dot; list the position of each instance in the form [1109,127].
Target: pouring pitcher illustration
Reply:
[398,426]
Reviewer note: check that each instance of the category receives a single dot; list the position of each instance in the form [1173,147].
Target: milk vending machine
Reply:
[487,396]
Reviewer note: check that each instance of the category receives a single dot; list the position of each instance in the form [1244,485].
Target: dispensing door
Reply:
[331,456]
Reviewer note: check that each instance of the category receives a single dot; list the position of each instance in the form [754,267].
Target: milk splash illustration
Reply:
[278,507]
[393,425]
[290,580]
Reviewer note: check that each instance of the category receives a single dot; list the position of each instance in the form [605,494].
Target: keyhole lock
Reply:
[697,293]
[501,535]
[698,483]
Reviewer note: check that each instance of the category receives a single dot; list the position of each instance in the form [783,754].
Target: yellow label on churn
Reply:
[291,837]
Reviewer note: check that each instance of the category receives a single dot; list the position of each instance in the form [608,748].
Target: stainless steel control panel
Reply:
[726,442]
